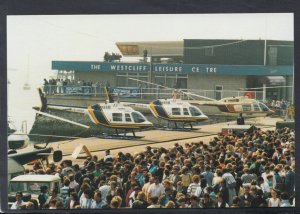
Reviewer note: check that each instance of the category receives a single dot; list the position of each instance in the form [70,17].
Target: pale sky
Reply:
[34,41]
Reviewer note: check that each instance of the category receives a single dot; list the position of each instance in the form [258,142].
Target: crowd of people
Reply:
[58,86]
[234,171]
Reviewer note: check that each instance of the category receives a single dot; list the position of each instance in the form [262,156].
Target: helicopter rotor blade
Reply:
[187,93]
[63,119]
[268,87]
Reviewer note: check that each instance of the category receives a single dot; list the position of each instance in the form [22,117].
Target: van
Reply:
[30,186]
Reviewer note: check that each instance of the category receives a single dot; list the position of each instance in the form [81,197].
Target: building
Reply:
[214,68]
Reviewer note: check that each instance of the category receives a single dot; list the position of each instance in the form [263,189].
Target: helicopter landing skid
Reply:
[178,129]
[118,137]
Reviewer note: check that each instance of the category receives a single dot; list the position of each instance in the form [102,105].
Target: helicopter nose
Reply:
[270,112]
[204,117]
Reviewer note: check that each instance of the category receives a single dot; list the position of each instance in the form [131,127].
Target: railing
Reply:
[146,93]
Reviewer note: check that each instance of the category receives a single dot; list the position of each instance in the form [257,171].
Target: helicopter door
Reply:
[256,107]
[186,112]
[128,118]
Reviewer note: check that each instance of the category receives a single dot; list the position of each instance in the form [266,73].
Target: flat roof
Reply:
[154,48]
[36,178]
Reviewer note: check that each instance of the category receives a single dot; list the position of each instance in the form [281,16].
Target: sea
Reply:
[20,103]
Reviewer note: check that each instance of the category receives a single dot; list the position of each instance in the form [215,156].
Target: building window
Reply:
[124,81]
[273,56]
[176,111]
[209,51]
[117,117]
[172,80]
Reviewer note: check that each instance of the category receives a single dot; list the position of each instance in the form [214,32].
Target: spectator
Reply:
[207,202]
[220,201]
[98,203]
[156,189]
[246,198]
[74,200]
[193,186]
[274,201]
[43,196]
[285,200]
[19,201]
[140,202]
[208,175]
[230,184]
[289,180]
[108,156]
[154,203]
[87,201]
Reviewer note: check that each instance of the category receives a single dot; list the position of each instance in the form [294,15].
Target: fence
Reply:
[146,93]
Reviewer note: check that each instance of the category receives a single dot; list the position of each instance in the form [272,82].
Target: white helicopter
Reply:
[172,109]
[233,106]
[110,114]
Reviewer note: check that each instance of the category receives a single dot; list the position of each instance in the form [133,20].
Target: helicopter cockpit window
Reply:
[194,111]
[117,117]
[186,111]
[176,111]
[263,107]
[127,118]
[246,107]
[137,117]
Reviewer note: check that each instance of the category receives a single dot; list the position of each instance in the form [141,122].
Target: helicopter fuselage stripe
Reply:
[91,112]
[159,110]
[101,117]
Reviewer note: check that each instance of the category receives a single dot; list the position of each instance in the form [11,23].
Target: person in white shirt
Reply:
[104,189]
[193,186]
[87,201]
[98,202]
[156,189]
[19,201]
[265,175]
[107,156]
[274,201]
[263,185]
[73,184]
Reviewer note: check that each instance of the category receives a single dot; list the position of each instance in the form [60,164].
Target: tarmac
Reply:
[153,138]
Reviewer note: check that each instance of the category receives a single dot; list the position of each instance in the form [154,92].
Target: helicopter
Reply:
[110,114]
[233,106]
[172,109]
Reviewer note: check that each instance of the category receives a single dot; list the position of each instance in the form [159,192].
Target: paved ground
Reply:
[154,138]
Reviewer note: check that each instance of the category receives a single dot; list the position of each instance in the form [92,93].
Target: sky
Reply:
[34,41]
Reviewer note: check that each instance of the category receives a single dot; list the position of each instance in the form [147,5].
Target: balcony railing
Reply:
[145,93]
